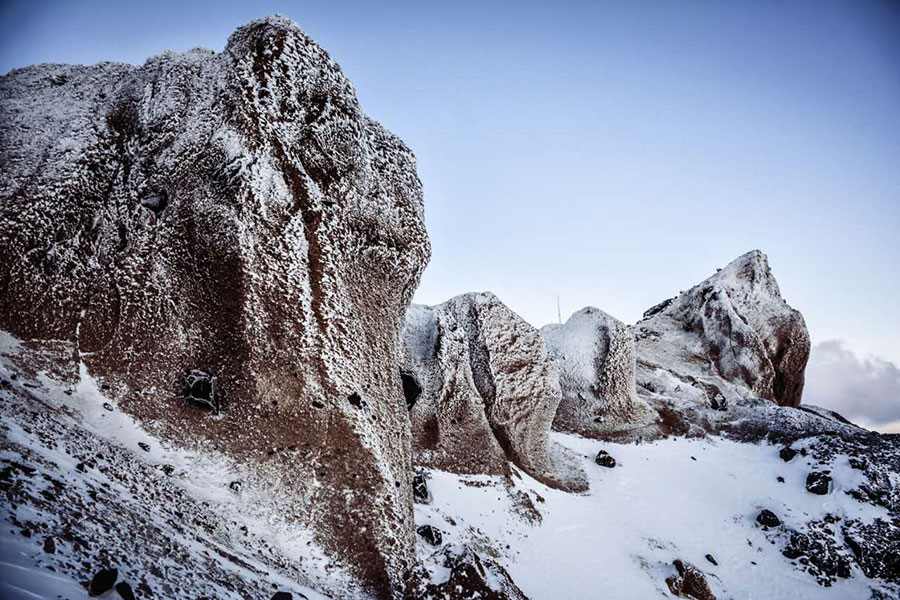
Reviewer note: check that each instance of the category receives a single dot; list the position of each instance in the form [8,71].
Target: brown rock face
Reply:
[237,214]
[732,335]
[689,583]
[489,389]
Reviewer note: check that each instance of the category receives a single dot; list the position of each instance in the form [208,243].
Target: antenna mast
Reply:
[558,312]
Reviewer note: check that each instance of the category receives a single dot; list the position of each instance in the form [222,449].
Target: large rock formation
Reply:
[482,389]
[730,337]
[235,215]
[595,354]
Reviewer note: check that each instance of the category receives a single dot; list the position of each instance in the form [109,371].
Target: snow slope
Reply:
[78,471]
[672,499]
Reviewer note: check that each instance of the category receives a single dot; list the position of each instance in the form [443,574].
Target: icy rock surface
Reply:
[730,337]
[595,355]
[234,213]
[489,390]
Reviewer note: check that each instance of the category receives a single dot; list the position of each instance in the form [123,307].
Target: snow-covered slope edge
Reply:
[677,499]
[86,488]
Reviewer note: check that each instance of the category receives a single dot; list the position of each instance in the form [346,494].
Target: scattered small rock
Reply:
[102,581]
[780,479]
[432,535]
[356,400]
[859,463]
[108,406]
[168,469]
[144,446]
[49,545]
[235,486]
[712,559]
[605,460]
[767,518]
[818,483]
[282,596]
[787,454]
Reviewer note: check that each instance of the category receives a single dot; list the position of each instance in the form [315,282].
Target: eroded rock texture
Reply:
[489,388]
[238,214]
[595,355]
[732,336]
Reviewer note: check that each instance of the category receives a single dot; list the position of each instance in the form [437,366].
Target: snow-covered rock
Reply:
[730,337]
[235,214]
[595,355]
[488,389]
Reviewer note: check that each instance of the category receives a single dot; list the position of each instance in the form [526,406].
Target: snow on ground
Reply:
[79,471]
[672,499]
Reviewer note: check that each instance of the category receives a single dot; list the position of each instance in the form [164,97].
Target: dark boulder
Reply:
[432,535]
[787,454]
[102,581]
[200,388]
[712,559]
[605,460]
[818,483]
[718,402]
[767,518]
[124,590]
[420,489]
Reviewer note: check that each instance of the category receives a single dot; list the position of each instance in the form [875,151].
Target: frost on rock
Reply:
[595,356]
[489,390]
[234,213]
[730,337]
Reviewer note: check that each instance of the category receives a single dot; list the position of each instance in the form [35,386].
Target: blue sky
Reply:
[609,153]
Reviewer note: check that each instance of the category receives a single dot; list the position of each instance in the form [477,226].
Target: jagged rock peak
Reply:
[234,214]
[489,390]
[731,336]
[595,355]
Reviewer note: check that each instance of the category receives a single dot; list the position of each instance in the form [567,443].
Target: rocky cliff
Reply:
[484,390]
[230,245]
[595,355]
[729,337]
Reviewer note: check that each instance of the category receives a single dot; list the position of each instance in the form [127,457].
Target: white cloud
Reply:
[864,390]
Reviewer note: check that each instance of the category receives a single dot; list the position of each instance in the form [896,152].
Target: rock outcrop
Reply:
[489,388]
[730,337]
[237,215]
[595,355]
